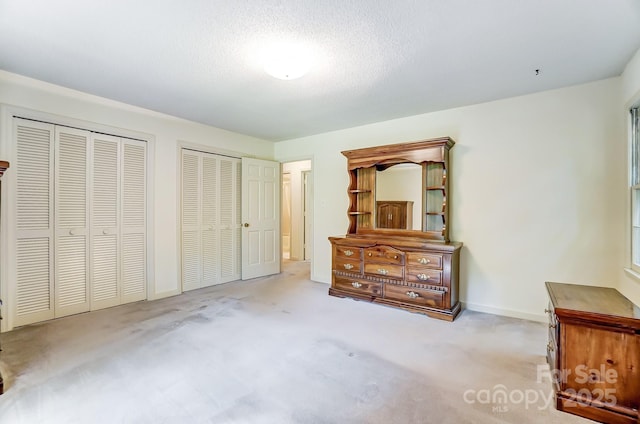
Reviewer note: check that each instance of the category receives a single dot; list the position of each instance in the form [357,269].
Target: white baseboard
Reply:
[162,295]
[505,312]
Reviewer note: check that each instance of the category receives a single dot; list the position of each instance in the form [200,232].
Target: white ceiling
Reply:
[374,59]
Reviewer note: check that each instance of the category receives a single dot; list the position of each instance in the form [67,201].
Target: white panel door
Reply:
[134,220]
[72,221]
[106,287]
[33,296]
[260,217]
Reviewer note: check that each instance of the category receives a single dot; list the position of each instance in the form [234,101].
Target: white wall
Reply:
[538,191]
[167,132]
[629,284]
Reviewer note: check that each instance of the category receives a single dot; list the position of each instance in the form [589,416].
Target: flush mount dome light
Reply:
[286,61]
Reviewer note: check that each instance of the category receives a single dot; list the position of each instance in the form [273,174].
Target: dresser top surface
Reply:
[595,301]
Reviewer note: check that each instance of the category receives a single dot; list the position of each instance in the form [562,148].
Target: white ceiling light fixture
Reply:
[286,61]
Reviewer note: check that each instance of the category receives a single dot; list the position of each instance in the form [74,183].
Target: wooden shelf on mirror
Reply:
[3,166]
[359,213]
[435,188]
[359,191]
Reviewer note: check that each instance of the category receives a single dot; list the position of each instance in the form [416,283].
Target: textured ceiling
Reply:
[373,59]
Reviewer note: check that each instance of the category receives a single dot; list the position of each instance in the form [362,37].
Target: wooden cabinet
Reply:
[382,259]
[394,214]
[594,352]
[3,167]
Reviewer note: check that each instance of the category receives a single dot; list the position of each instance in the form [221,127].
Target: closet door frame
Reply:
[8,213]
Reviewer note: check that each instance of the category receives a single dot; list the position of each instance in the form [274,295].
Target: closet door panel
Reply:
[210,221]
[34,297]
[106,287]
[229,219]
[134,190]
[71,275]
[191,218]
[71,209]
[34,222]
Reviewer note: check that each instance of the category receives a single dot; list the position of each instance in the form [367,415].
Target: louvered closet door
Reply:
[210,230]
[210,219]
[33,295]
[191,218]
[134,207]
[230,214]
[72,235]
[106,287]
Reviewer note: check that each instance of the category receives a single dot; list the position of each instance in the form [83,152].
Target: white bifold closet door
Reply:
[118,247]
[210,224]
[33,271]
[80,220]
[72,149]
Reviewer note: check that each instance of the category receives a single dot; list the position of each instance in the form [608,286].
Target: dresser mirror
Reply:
[400,189]
[399,197]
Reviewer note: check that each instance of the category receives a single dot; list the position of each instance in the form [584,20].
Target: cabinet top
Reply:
[433,150]
[403,243]
[600,304]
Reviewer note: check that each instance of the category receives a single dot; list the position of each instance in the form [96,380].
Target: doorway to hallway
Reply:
[297,211]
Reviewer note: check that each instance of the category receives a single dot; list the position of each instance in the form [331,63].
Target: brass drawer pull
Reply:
[422,277]
[424,261]
[348,252]
[370,253]
[356,284]
[413,295]
[382,271]
[348,266]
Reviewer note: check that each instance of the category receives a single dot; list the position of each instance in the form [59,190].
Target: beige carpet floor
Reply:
[275,350]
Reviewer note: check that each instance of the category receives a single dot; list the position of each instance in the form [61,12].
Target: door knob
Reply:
[246,224]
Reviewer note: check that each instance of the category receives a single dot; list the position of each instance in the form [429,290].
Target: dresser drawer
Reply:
[348,252]
[350,265]
[358,285]
[425,297]
[384,254]
[384,270]
[430,260]
[424,275]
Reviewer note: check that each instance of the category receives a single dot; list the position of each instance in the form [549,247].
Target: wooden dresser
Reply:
[414,275]
[412,269]
[594,352]
[3,167]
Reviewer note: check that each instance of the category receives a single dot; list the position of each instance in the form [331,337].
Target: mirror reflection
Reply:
[399,197]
